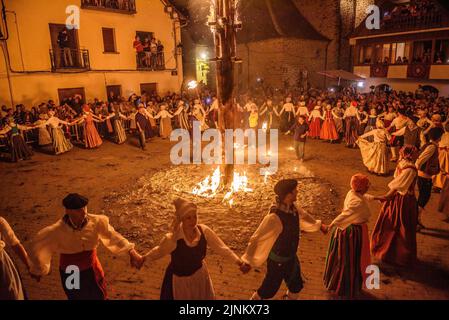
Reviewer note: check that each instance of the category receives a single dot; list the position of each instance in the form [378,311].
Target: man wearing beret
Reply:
[276,241]
[75,238]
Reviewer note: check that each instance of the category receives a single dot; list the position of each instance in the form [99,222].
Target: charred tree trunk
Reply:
[225,34]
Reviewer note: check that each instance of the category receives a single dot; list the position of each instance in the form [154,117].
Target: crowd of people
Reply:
[409,129]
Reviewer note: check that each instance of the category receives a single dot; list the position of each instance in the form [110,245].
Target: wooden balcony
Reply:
[418,71]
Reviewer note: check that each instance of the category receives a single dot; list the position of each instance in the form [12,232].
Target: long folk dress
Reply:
[349,249]
[119,130]
[351,125]
[338,113]
[165,125]
[11,287]
[276,241]
[315,123]
[187,276]
[394,237]
[375,154]
[44,135]
[92,139]
[60,143]
[19,148]
[78,247]
[328,129]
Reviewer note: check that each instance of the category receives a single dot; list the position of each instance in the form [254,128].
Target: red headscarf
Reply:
[359,182]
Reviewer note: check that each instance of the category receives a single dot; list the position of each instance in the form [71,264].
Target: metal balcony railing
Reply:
[148,61]
[67,59]
[120,6]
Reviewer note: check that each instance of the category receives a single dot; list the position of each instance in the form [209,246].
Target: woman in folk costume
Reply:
[143,126]
[165,125]
[11,287]
[76,238]
[303,110]
[394,237]
[371,124]
[315,123]
[117,121]
[276,241]
[270,115]
[151,112]
[388,116]
[199,114]
[92,139]
[349,248]
[213,111]
[60,143]
[362,118]
[288,115]
[187,276]
[351,121]
[338,113]
[329,130]
[44,135]
[183,118]
[443,156]
[375,154]
[398,124]
[19,148]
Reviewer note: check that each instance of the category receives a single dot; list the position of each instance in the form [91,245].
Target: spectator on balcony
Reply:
[153,49]
[399,60]
[138,46]
[65,50]
[147,51]
[404,60]
[160,55]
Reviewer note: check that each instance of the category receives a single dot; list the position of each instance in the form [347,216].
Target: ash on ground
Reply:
[145,212]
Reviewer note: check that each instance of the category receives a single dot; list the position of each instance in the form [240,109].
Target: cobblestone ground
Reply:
[31,193]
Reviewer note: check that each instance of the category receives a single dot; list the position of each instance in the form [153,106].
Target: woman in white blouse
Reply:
[187,276]
[394,236]
[349,250]
[11,287]
[375,154]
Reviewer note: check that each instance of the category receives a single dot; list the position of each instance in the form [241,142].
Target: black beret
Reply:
[75,201]
[285,187]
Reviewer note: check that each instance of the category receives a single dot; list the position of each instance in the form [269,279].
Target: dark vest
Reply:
[431,166]
[412,137]
[287,243]
[185,261]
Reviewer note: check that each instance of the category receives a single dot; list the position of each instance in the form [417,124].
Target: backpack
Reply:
[432,166]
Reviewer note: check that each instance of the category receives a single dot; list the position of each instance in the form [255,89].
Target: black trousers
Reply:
[142,140]
[425,191]
[290,272]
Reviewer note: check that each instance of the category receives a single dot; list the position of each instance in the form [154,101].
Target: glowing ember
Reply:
[291,149]
[208,188]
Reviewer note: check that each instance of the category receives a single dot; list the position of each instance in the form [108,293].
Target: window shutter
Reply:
[108,40]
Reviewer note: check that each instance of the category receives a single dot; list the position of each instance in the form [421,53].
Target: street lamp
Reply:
[192,85]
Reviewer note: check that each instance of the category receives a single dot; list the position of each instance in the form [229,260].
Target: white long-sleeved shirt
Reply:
[60,238]
[267,233]
[379,135]
[163,114]
[355,210]
[403,178]
[424,157]
[7,235]
[169,244]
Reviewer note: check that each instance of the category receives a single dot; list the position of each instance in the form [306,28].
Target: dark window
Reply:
[67,93]
[109,40]
[148,88]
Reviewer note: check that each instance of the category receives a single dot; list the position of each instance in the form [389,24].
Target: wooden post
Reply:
[225,39]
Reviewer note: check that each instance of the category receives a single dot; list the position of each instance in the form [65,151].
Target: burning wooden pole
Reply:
[224,25]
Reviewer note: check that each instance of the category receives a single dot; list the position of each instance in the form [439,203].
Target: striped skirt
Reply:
[347,259]
[394,236]
[60,143]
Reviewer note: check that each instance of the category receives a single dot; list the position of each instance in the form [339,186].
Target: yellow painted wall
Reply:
[33,18]
[397,72]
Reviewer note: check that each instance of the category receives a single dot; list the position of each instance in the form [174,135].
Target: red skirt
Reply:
[315,128]
[347,260]
[329,130]
[92,283]
[394,236]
